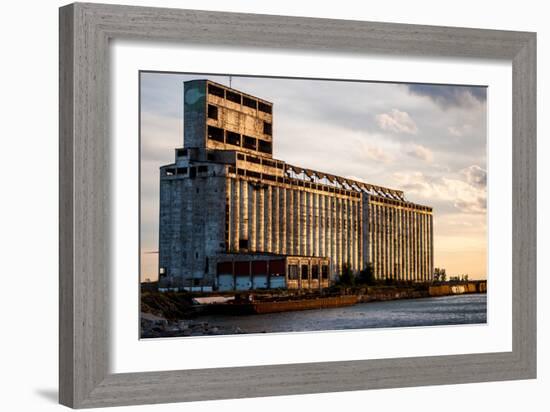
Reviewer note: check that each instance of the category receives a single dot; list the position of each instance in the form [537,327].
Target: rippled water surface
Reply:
[446,310]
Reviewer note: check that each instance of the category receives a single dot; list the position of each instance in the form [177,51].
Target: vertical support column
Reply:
[431,245]
[303,223]
[351,235]
[399,244]
[316,213]
[277,223]
[417,246]
[373,243]
[252,220]
[235,207]
[283,227]
[298,222]
[402,220]
[243,206]
[322,226]
[350,241]
[391,252]
[382,246]
[397,228]
[424,271]
[294,207]
[387,242]
[345,235]
[269,220]
[260,204]
[330,232]
[380,241]
[413,245]
[427,253]
[291,216]
[309,222]
[338,233]
[405,244]
[362,229]
[355,230]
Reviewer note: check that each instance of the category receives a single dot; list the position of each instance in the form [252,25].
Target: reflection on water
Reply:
[446,310]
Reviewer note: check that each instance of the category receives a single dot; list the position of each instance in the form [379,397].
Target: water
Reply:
[446,310]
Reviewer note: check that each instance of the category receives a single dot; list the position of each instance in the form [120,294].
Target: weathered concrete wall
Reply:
[192,224]
[400,239]
[194,111]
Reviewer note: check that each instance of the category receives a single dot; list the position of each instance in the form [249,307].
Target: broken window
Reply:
[215,133]
[264,107]
[265,147]
[267,128]
[215,90]
[247,101]
[233,97]
[212,112]
[170,172]
[243,243]
[315,272]
[192,172]
[181,170]
[305,272]
[292,272]
[249,142]
[181,152]
[324,271]
[240,156]
[253,159]
[233,138]
[203,169]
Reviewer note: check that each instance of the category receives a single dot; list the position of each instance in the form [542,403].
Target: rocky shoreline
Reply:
[157,327]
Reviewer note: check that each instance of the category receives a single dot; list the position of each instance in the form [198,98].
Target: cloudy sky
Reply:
[427,140]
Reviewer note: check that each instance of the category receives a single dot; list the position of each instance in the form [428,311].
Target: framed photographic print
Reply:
[257,205]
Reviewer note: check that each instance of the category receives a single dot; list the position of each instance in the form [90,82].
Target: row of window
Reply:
[183,171]
[259,160]
[239,99]
[236,139]
[296,182]
[213,114]
[304,272]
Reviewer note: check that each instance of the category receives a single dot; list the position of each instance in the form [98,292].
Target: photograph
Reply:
[283,205]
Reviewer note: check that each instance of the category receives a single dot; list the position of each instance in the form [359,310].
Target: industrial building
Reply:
[233,217]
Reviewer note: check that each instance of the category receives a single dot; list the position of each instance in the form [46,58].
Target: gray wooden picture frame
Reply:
[85,32]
